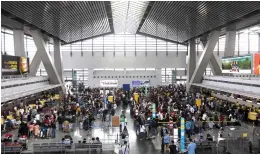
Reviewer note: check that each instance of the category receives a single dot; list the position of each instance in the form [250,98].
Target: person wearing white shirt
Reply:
[142,130]
[125,148]
[204,118]
[37,117]
[21,111]
[192,110]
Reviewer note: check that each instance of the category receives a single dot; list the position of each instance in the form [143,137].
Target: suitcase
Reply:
[98,116]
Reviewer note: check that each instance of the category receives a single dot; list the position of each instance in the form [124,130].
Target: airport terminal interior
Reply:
[130,77]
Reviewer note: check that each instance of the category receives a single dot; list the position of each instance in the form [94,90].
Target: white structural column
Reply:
[159,75]
[35,64]
[58,58]
[213,62]
[230,42]
[19,43]
[205,57]
[45,57]
[91,77]
[191,59]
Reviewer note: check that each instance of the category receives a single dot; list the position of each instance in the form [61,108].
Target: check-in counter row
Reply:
[252,81]
[232,86]
[231,99]
[27,91]
[22,81]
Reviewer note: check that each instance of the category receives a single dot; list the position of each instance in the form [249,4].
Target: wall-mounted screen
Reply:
[14,65]
[140,83]
[240,64]
[257,63]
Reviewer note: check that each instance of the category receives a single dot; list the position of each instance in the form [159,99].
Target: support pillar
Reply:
[191,59]
[45,57]
[35,64]
[36,61]
[158,76]
[213,62]
[230,42]
[205,57]
[19,43]
[91,77]
[58,58]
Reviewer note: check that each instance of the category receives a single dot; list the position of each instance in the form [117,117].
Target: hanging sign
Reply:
[108,83]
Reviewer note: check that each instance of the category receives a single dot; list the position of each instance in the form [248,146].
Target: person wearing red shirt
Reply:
[222,118]
[171,126]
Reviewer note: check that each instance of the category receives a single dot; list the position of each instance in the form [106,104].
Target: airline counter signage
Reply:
[108,83]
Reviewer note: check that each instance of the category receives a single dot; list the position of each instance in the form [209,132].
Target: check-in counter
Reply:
[231,99]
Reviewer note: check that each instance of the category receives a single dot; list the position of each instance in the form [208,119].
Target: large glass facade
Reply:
[167,75]
[121,43]
[247,41]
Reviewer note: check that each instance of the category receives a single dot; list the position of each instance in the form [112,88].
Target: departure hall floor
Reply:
[137,146]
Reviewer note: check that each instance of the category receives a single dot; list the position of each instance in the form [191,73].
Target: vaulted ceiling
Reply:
[176,21]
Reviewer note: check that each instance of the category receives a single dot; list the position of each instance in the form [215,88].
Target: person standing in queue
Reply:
[173,148]
[191,147]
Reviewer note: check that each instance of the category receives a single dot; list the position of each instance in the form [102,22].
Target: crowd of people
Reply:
[156,110]
[172,103]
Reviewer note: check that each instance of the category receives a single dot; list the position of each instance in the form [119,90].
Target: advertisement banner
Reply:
[257,63]
[14,65]
[182,134]
[240,64]
[140,83]
[108,83]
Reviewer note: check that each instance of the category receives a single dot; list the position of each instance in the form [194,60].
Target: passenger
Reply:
[191,147]
[125,148]
[173,148]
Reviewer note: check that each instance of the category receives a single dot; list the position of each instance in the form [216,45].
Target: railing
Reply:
[241,76]
[87,148]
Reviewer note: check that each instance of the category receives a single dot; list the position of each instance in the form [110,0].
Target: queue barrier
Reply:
[71,148]
[11,149]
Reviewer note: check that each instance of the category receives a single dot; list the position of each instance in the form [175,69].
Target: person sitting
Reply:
[201,139]
[209,137]
[173,148]
[84,140]
[99,143]
[93,140]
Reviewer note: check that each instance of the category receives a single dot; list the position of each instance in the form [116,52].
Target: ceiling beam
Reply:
[147,11]
[156,37]
[232,23]
[87,38]
[109,15]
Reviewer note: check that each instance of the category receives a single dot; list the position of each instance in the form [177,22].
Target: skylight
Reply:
[127,15]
